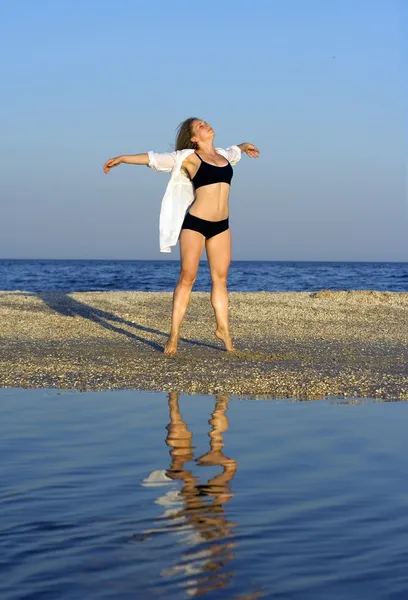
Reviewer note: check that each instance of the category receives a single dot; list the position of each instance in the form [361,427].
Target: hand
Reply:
[112,162]
[252,151]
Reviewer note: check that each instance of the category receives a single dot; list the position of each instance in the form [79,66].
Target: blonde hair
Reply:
[184,133]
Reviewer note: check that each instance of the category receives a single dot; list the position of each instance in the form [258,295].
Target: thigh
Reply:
[191,248]
[219,253]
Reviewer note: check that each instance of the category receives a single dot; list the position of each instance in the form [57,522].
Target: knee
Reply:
[220,277]
[187,278]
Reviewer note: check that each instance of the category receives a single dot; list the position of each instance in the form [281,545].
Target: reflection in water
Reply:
[196,511]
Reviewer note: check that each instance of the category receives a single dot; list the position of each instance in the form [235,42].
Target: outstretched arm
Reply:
[159,161]
[130,159]
[250,149]
[234,153]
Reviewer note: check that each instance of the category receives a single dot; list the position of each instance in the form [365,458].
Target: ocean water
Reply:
[162,275]
[125,495]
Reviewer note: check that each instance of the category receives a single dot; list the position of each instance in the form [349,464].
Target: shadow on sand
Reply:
[64,304]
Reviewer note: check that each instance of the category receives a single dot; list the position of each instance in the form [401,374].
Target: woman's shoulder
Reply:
[185,152]
[186,156]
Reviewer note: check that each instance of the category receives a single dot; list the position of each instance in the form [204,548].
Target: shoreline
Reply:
[303,345]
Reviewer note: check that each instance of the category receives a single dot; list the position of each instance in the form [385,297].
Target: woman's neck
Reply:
[207,148]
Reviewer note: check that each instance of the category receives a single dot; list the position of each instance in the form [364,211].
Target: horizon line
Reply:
[203,260]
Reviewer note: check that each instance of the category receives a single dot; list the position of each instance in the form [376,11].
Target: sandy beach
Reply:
[303,345]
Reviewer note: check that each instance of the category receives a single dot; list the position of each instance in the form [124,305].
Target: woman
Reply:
[200,181]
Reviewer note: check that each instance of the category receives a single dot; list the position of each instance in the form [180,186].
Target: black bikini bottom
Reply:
[207,228]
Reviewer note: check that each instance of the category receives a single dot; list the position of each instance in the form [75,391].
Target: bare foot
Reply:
[226,338]
[171,346]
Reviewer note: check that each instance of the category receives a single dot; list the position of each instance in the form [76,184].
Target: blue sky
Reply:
[318,86]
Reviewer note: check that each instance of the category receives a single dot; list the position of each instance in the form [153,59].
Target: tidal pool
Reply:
[126,494]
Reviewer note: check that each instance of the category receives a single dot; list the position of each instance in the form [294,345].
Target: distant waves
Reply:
[162,275]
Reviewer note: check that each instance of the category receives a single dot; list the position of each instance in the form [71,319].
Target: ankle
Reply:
[224,331]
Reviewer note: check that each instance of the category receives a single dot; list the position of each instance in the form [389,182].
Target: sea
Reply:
[162,275]
[130,494]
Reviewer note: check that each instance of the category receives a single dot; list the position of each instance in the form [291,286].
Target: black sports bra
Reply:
[208,174]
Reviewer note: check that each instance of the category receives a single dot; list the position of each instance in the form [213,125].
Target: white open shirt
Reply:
[180,192]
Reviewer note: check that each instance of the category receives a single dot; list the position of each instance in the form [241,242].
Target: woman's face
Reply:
[202,131]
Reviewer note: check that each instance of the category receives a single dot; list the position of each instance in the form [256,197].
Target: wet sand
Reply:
[303,345]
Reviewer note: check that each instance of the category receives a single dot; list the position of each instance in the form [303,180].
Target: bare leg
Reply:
[191,249]
[218,485]
[179,438]
[219,258]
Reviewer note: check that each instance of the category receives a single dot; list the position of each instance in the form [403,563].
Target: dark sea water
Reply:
[162,275]
[123,494]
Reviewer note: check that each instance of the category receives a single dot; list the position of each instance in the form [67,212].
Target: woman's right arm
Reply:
[163,161]
[130,159]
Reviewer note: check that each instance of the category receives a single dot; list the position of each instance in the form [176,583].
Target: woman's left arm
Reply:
[249,149]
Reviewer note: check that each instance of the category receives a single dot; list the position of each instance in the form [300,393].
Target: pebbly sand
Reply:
[303,345]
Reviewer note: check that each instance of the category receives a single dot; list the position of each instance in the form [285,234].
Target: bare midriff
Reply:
[211,202]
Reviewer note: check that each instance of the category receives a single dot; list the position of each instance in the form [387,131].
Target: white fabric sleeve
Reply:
[162,161]
[234,154]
